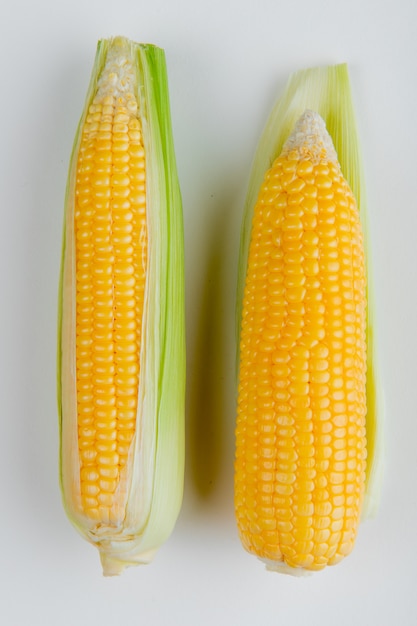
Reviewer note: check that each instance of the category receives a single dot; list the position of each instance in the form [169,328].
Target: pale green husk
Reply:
[156,462]
[327,91]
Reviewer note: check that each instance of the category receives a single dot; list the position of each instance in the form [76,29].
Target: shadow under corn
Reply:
[211,379]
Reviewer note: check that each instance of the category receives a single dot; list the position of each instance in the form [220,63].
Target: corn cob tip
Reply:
[118,41]
[310,139]
[117,80]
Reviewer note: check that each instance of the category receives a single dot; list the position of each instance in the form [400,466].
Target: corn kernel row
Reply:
[111,251]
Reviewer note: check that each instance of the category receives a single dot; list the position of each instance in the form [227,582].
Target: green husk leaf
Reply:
[327,91]
[155,480]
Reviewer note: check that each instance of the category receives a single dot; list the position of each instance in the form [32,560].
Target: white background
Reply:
[228,61]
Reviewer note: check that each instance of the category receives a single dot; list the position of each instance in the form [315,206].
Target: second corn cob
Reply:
[301,427]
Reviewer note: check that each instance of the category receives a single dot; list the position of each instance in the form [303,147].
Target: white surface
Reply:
[227,62]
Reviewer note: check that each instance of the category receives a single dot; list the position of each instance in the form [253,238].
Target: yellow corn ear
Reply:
[121,325]
[301,434]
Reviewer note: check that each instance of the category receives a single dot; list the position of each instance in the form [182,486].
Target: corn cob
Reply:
[121,352]
[300,469]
